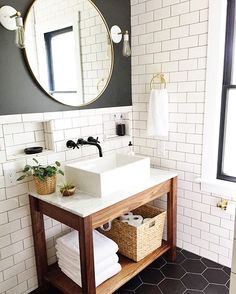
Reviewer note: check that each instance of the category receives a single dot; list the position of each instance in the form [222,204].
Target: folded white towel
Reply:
[99,279]
[103,246]
[74,264]
[158,116]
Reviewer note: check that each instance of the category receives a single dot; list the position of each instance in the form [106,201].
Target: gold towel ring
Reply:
[159,76]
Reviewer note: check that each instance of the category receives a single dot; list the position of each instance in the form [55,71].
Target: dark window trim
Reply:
[228,59]
[48,38]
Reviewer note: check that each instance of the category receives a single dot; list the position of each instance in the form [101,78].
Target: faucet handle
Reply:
[71,144]
[92,139]
[80,141]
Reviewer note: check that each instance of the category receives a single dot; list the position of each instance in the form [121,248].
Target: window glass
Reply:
[229,154]
[63,52]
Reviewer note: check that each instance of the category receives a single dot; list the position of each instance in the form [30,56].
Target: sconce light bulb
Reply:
[20,37]
[126,45]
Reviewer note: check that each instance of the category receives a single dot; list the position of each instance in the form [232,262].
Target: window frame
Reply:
[227,85]
[214,79]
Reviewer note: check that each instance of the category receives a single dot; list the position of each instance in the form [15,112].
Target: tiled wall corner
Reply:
[170,36]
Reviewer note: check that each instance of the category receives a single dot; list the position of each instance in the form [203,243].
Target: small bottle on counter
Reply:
[131,149]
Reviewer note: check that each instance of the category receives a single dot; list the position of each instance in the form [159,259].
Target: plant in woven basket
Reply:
[44,176]
[67,189]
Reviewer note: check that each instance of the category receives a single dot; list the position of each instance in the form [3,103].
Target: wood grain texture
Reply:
[59,214]
[54,276]
[39,242]
[86,255]
[108,214]
[172,218]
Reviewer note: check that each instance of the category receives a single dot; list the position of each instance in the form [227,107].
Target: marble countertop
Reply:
[83,204]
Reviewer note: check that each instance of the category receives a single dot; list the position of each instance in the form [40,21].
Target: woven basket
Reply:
[45,187]
[138,242]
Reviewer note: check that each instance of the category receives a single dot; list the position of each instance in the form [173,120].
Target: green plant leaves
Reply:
[61,172]
[41,172]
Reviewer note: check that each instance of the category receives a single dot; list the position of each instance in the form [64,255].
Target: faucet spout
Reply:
[91,141]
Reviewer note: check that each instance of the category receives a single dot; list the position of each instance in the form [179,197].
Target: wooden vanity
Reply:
[85,213]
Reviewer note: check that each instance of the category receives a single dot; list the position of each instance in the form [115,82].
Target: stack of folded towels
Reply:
[105,258]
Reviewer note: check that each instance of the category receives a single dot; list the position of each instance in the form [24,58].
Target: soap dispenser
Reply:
[120,127]
[131,150]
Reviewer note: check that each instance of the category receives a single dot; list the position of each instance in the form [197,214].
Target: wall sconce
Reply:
[116,35]
[11,20]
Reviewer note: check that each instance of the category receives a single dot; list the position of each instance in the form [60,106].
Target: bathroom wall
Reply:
[17,262]
[170,36]
[31,98]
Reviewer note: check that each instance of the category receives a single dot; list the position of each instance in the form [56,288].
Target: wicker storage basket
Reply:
[138,242]
[45,187]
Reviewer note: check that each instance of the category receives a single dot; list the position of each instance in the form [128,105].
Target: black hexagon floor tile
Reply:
[151,276]
[148,289]
[174,271]
[216,276]
[179,257]
[190,255]
[216,289]
[210,263]
[133,284]
[193,266]
[172,286]
[189,274]
[227,270]
[194,281]
[158,263]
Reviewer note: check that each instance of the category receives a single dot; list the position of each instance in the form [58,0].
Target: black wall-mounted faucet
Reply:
[80,142]
[71,144]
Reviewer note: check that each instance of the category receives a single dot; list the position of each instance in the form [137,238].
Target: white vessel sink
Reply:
[102,176]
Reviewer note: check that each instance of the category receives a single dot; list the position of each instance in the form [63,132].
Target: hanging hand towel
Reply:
[158,116]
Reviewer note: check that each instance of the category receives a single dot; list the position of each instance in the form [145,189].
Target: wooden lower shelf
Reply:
[129,269]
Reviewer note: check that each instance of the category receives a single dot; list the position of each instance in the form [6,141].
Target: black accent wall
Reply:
[19,93]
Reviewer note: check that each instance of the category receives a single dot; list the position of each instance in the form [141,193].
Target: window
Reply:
[60,48]
[227,140]
[210,181]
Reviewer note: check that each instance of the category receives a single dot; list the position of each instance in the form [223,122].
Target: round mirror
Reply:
[69,49]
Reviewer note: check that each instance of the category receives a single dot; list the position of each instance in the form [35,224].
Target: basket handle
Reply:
[152,224]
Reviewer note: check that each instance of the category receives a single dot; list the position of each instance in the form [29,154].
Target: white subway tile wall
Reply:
[17,263]
[170,36]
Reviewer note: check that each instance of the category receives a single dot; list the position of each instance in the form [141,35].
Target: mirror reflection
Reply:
[69,50]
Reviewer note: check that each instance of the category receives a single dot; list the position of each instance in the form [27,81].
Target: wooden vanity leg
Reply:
[86,255]
[172,218]
[39,243]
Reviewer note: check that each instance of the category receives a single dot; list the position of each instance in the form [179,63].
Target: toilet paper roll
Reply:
[146,220]
[125,221]
[136,220]
[126,216]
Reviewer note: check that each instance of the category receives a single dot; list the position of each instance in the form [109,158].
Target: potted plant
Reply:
[68,189]
[44,176]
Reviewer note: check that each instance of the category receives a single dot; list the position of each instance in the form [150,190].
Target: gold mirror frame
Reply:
[111,68]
